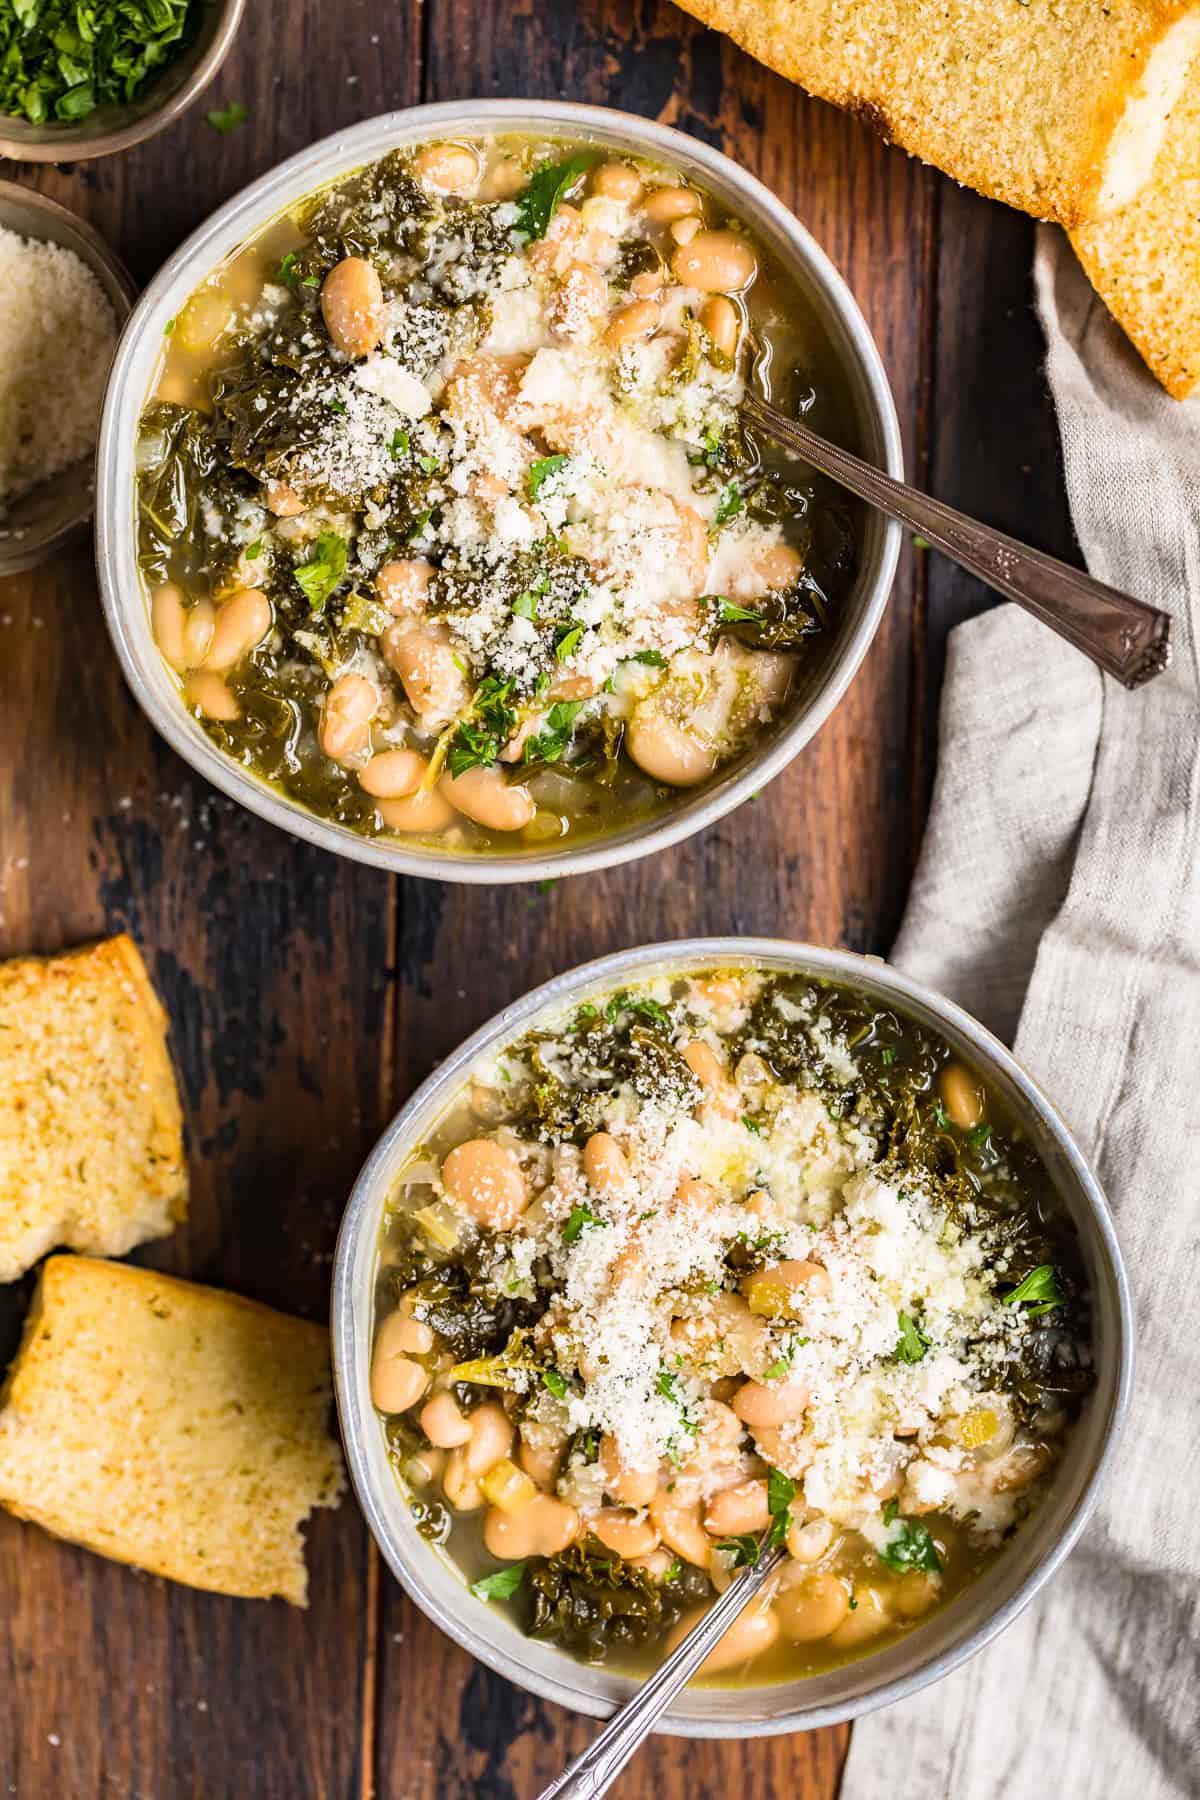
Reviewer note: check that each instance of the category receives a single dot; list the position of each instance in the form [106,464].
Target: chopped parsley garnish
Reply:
[742,1551]
[320,574]
[729,505]
[653,659]
[399,444]
[286,272]
[752,1125]
[783,1363]
[781,1491]
[668,1386]
[427,464]
[731,614]
[337,406]
[419,523]
[912,1343]
[544,470]
[549,745]
[567,642]
[746,1549]
[674,1572]
[1039,1292]
[254,550]
[640,1005]
[500,1586]
[547,186]
[483,734]
[909,1547]
[226,118]
[772,1241]
[525,605]
[555,1382]
[578,1219]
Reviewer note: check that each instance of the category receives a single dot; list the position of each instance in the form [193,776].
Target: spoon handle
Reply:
[594,1772]
[1129,639]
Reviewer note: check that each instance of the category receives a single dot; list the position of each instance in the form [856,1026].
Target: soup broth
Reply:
[727,1260]
[449,521]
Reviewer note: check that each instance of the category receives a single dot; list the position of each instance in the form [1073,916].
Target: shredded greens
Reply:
[593,1603]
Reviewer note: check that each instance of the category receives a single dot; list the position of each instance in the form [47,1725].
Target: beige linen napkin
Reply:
[1058,897]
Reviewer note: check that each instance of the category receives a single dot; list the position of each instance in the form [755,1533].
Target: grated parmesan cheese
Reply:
[57,335]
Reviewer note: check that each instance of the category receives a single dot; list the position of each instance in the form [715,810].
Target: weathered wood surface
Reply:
[308,996]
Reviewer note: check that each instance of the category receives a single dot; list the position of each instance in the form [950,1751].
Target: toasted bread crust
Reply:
[1144,261]
[169,1426]
[1054,106]
[91,1134]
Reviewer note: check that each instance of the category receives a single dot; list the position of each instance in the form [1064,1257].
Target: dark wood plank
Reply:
[824,853]
[274,963]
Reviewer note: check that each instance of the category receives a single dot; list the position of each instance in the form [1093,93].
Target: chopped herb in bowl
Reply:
[61,61]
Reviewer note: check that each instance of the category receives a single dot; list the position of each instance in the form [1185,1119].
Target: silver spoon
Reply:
[594,1772]
[1124,636]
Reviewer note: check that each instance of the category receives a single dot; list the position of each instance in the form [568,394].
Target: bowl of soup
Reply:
[706,1248]
[429,526]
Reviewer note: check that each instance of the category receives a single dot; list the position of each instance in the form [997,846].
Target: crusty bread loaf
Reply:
[170,1426]
[1056,106]
[91,1150]
[1144,261]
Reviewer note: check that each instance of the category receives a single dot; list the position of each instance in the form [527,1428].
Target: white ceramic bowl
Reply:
[124,594]
[948,1637]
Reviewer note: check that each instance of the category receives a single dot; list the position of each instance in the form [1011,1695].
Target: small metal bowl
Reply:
[877,1679]
[136,363]
[112,128]
[36,525]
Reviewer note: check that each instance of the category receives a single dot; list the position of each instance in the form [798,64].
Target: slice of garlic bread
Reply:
[1055,106]
[91,1150]
[1144,261]
[170,1426]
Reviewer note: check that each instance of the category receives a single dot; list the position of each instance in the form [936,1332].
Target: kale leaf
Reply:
[595,1605]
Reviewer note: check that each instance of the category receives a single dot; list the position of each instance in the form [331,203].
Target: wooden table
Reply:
[308,996]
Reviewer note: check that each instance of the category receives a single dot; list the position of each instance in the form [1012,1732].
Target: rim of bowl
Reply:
[1042,1546]
[121,584]
[27,212]
[181,81]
